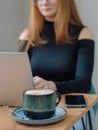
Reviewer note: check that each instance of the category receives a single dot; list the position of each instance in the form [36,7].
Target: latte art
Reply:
[39,92]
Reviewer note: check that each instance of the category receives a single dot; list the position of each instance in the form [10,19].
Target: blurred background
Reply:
[14,15]
[13,19]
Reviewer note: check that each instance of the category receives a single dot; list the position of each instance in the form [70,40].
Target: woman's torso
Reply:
[55,62]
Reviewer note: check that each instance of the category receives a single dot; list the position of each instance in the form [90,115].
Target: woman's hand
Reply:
[41,83]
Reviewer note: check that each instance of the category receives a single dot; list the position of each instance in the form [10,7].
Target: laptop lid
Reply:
[15,77]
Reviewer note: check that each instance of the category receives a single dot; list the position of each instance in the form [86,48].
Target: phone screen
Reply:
[75,101]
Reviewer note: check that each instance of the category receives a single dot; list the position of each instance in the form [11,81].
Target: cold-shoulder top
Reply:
[69,66]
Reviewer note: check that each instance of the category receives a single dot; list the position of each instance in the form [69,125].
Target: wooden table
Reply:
[73,115]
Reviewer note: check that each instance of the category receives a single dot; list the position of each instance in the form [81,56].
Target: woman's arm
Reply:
[22,40]
[84,66]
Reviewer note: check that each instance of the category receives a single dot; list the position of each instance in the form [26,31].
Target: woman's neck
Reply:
[51,19]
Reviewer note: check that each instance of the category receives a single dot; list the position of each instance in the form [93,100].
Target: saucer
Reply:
[19,116]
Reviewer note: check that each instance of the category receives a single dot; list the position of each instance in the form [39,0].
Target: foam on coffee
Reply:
[39,92]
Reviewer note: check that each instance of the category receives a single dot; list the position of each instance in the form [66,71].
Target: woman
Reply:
[60,47]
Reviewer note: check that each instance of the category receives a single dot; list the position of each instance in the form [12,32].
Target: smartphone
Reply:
[75,101]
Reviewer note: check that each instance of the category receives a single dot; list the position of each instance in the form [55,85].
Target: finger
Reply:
[35,77]
[37,81]
[45,87]
[39,86]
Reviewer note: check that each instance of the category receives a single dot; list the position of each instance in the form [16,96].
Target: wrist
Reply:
[53,86]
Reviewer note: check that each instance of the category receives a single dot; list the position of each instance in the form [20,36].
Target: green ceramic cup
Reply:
[40,104]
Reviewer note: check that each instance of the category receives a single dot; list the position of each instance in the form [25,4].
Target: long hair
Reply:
[67,14]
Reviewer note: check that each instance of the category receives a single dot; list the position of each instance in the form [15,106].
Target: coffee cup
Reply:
[40,103]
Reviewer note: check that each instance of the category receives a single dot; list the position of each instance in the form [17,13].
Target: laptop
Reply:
[15,77]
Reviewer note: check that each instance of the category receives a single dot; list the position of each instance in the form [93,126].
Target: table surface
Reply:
[73,115]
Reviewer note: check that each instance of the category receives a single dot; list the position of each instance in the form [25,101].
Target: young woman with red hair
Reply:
[60,47]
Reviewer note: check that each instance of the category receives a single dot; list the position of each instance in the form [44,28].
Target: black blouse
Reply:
[69,66]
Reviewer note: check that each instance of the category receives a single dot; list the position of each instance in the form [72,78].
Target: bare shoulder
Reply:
[86,33]
[24,34]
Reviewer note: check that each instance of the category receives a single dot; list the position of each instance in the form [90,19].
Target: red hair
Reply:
[67,14]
